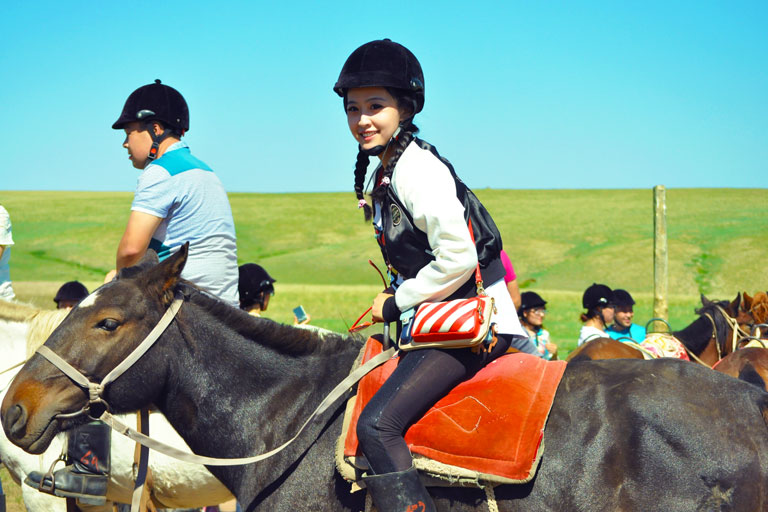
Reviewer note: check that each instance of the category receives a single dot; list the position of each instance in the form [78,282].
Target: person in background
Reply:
[178,199]
[510,278]
[531,313]
[6,241]
[256,287]
[622,326]
[598,301]
[70,294]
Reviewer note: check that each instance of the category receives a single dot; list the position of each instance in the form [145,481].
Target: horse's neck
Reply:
[230,387]
[697,336]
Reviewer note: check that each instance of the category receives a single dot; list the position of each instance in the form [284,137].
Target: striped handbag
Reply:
[456,323]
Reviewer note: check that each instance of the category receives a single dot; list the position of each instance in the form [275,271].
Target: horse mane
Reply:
[17,311]
[759,308]
[287,339]
[41,326]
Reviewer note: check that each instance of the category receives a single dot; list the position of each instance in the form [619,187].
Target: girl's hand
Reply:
[378,306]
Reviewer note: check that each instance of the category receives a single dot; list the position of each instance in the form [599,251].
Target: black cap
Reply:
[253,280]
[597,295]
[622,298]
[530,300]
[383,63]
[73,290]
[155,101]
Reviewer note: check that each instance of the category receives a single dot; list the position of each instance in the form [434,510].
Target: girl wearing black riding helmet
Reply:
[598,301]
[420,210]
[531,313]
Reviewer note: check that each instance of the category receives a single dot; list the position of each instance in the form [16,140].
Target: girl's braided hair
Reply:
[407,133]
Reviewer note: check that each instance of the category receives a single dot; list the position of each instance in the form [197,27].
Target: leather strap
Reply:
[329,400]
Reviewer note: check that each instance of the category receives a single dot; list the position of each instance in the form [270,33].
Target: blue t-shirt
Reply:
[636,332]
[189,197]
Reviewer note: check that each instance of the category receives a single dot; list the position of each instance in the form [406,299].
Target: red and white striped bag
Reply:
[453,324]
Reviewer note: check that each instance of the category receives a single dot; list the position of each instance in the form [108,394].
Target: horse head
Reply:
[93,339]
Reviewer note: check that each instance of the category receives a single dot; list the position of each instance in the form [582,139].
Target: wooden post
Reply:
[660,274]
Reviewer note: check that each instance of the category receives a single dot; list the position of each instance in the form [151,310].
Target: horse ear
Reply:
[164,277]
[747,304]
[705,301]
[736,303]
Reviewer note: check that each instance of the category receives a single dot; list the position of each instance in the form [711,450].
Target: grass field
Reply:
[317,246]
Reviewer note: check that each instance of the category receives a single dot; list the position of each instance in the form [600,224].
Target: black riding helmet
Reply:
[155,101]
[71,291]
[622,298]
[383,63]
[254,282]
[530,300]
[597,295]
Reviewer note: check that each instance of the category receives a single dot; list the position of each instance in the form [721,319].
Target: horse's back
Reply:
[653,435]
[604,348]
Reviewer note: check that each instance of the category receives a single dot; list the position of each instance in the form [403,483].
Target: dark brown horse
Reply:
[707,339]
[748,364]
[621,435]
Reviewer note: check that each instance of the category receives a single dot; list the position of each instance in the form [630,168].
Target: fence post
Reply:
[660,274]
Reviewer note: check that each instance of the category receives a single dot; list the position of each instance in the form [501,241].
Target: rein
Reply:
[737,333]
[97,390]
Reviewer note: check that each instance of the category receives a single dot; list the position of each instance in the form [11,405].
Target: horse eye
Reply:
[108,324]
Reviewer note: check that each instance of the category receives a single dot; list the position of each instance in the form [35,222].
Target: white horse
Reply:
[175,484]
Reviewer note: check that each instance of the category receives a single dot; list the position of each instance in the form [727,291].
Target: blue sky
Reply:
[518,94]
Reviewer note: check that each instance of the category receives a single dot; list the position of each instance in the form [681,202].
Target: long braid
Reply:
[407,134]
[361,167]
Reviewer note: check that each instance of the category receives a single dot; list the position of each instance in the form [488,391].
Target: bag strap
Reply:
[478,276]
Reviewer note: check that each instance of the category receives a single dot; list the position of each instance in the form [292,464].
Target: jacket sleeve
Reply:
[427,189]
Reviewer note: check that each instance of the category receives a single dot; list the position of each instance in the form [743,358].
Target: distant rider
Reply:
[598,301]
[622,326]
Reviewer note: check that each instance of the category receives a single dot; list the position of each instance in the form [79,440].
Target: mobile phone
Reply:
[301,315]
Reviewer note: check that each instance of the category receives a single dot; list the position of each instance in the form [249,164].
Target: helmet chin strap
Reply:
[156,140]
[377,150]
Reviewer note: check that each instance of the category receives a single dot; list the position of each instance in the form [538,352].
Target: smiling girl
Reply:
[420,210]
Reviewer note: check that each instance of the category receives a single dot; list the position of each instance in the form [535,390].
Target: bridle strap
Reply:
[145,345]
[329,400]
[95,391]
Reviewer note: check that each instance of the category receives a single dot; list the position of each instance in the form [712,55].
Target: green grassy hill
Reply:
[317,246]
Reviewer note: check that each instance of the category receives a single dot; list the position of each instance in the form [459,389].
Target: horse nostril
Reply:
[15,421]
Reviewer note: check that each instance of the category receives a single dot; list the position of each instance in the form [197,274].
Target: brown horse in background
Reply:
[707,339]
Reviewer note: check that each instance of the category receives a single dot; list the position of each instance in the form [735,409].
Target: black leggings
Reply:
[420,380]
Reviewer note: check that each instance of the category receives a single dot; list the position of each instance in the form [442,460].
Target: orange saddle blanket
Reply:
[492,424]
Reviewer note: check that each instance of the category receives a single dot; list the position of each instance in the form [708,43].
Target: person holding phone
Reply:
[420,211]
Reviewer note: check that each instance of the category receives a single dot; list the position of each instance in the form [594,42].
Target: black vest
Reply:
[406,248]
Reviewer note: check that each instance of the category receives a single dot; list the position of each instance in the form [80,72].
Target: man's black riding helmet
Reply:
[597,295]
[383,63]
[155,101]
[622,298]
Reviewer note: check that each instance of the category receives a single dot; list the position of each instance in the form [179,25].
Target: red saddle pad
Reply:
[492,423]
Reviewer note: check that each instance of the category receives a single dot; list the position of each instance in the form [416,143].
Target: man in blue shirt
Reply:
[622,326]
[178,199]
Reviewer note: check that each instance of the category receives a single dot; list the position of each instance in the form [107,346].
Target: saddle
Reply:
[487,430]
[660,344]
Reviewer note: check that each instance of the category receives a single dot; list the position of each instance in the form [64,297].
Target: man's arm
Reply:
[138,233]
